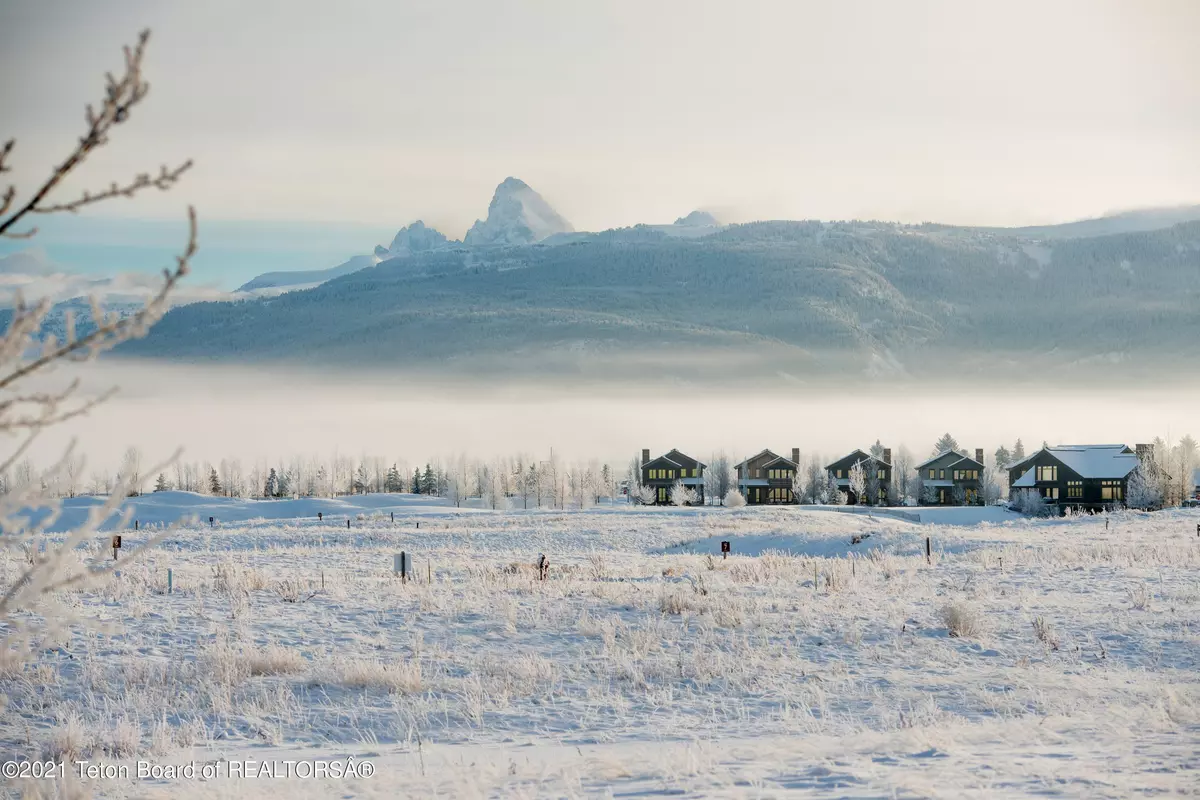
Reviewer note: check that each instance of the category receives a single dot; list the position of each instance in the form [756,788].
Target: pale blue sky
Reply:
[377,113]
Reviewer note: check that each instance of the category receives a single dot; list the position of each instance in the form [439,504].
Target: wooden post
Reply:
[418,524]
[393,516]
[543,566]
[347,523]
[116,545]
[428,573]
[320,516]
[212,522]
[135,524]
[928,551]
[400,565]
[322,580]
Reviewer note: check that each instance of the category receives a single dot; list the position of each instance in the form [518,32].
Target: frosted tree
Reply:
[30,622]
[877,449]
[903,475]
[1018,452]
[734,499]
[131,470]
[682,495]
[271,488]
[874,484]
[1143,489]
[161,485]
[214,483]
[644,495]
[1004,459]
[945,444]
[858,481]
[798,485]
[815,481]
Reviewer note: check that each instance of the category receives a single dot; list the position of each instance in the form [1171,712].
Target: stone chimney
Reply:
[887,455]
[796,455]
[1145,452]
[645,455]
[979,454]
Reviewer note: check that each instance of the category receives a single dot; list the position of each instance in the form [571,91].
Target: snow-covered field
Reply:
[816,660]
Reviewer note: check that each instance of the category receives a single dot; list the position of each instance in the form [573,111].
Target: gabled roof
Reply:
[674,461]
[686,457]
[756,455]
[864,457]
[943,454]
[1108,461]
[787,461]
[661,458]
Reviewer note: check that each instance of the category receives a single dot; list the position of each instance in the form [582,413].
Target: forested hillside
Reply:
[793,297]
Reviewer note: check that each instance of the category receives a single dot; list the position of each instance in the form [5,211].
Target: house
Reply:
[878,472]
[1196,484]
[952,479]
[1086,476]
[662,473]
[767,478]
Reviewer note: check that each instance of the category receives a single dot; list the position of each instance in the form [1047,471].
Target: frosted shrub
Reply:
[1139,596]
[961,619]
[70,741]
[400,677]
[275,660]
[735,499]
[1045,633]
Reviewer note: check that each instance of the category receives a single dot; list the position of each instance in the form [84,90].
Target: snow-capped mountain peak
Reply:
[517,215]
[415,238]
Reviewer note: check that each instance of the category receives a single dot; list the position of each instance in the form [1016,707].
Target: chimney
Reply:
[887,455]
[1145,452]
[979,454]
[645,455]
[796,455]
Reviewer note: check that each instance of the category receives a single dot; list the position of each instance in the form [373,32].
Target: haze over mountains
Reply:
[782,301]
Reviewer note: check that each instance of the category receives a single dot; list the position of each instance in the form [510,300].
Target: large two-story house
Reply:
[952,479]
[1086,476]
[661,474]
[766,478]
[877,471]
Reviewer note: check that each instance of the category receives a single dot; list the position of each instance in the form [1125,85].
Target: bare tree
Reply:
[25,413]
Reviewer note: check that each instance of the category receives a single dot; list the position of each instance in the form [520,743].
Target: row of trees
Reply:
[525,482]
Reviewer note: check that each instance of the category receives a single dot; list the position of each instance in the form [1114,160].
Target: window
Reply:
[780,474]
[839,474]
[1047,474]
[882,495]
[941,474]
[972,496]
[881,474]
[1112,491]
[663,493]
[966,474]
[1075,489]
[779,496]
[1050,492]
[930,474]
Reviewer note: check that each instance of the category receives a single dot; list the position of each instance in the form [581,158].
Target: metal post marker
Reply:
[928,551]
[170,582]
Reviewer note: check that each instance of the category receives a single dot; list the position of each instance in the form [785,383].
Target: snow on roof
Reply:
[781,458]
[1026,481]
[1096,460]
[662,458]
[699,463]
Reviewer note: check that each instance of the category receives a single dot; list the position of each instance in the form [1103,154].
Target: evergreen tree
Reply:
[392,482]
[945,444]
[416,481]
[285,483]
[429,484]
[1018,453]
[214,483]
[272,487]
[877,449]
[161,484]
[362,481]
[1004,458]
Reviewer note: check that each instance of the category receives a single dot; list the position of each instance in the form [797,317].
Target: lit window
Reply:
[942,474]
[1074,488]
[1050,492]
[1048,474]
[930,474]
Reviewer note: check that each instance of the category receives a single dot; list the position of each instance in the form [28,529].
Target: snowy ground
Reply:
[816,660]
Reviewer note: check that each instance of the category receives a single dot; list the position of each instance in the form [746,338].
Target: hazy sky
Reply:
[619,112]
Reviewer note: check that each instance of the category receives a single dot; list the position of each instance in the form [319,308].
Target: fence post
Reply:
[928,552]
[347,523]
[170,582]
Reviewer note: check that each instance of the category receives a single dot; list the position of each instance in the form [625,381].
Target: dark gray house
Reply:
[1085,476]
[878,473]
[661,474]
[766,478]
[952,479]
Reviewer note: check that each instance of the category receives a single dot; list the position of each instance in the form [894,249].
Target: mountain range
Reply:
[791,301]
